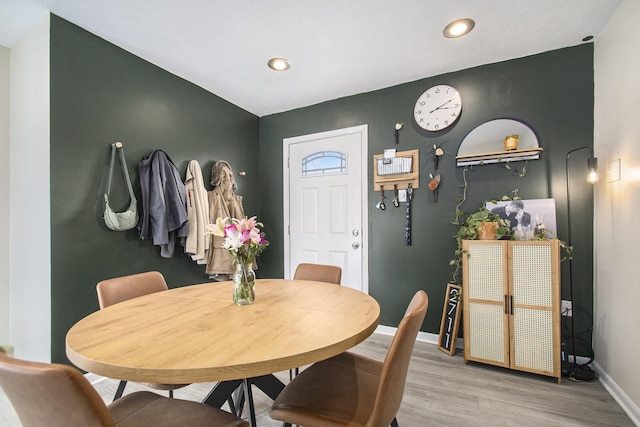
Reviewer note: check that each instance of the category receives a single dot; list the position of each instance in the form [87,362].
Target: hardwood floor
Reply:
[442,391]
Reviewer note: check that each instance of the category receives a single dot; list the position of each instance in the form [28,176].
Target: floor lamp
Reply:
[575,371]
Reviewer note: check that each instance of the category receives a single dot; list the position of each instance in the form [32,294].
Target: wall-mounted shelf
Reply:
[499,156]
[484,144]
[396,172]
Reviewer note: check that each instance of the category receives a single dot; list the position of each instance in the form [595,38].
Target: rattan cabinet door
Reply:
[486,334]
[535,297]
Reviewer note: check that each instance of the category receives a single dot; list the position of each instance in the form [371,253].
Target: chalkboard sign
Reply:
[450,319]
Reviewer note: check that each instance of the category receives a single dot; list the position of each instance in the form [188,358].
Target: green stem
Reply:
[464,195]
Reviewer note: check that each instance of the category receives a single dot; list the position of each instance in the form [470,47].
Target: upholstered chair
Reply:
[113,291]
[319,273]
[48,394]
[350,390]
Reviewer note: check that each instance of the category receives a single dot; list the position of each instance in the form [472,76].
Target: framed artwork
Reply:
[526,215]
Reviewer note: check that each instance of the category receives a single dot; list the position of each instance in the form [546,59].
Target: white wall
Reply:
[617,136]
[29,203]
[4,195]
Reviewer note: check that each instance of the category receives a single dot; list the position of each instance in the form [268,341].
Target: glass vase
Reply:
[244,282]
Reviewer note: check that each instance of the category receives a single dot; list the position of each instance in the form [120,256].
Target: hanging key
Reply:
[380,205]
[407,225]
[396,203]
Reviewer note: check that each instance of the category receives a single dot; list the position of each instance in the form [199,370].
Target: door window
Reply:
[324,163]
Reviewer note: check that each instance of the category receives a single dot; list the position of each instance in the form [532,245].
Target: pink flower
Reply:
[243,238]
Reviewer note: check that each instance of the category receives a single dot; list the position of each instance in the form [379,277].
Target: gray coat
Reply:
[164,208]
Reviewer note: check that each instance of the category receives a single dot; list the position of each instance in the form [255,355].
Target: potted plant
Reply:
[480,225]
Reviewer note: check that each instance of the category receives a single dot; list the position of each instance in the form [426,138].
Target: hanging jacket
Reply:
[164,208]
[196,244]
[219,260]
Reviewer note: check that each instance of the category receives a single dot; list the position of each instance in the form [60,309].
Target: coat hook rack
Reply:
[396,172]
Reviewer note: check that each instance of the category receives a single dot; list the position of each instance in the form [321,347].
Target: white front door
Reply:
[324,202]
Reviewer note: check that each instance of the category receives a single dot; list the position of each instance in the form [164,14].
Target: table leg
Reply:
[269,384]
[223,391]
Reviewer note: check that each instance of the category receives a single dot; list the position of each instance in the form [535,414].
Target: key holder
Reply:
[398,171]
[396,202]
[380,205]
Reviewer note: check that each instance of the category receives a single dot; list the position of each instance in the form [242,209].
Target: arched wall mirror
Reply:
[486,143]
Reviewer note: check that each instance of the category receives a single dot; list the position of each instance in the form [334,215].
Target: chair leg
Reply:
[249,399]
[171,394]
[120,390]
[293,373]
[394,423]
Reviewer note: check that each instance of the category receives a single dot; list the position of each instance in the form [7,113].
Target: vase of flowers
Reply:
[244,284]
[244,241]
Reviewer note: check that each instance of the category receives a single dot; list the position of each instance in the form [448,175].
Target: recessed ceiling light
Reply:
[279,64]
[458,28]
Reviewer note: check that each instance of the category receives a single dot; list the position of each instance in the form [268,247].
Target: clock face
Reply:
[438,108]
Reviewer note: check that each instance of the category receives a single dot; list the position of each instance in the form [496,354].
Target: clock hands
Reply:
[442,106]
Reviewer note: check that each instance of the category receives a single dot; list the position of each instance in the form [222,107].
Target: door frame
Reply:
[364,229]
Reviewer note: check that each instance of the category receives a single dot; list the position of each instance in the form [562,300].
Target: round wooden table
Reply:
[196,334]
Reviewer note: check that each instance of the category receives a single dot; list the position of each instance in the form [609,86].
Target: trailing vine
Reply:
[520,173]
[459,214]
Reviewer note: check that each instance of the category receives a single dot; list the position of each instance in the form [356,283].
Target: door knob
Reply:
[355,245]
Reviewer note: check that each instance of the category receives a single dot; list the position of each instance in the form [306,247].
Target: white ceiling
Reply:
[337,47]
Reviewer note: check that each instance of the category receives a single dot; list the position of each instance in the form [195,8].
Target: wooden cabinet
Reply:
[511,304]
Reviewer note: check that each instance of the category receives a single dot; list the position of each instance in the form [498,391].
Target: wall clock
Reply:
[438,108]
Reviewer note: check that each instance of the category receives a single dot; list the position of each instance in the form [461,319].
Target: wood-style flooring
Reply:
[442,391]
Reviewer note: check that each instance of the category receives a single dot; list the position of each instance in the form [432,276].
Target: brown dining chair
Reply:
[49,394]
[350,390]
[318,272]
[113,291]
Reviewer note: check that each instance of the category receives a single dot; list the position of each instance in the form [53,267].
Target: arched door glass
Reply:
[324,163]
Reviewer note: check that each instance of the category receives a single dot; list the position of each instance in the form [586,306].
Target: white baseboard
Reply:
[422,336]
[628,405]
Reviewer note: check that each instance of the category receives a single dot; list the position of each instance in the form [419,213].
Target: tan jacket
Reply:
[219,260]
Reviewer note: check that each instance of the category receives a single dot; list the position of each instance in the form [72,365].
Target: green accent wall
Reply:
[551,92]
[101,94]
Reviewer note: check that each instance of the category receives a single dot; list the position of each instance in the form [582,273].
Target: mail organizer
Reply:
[400,171]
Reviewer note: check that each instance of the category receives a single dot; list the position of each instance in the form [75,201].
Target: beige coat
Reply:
[197,242]
[219,260]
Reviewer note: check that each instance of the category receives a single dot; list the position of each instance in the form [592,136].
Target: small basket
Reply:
[394,165]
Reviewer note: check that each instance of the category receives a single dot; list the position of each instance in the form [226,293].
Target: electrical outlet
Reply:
[402,196]
[567,308]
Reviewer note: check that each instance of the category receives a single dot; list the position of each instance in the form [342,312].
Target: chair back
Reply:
[319,273]
[396,363]
[118,289]
[46,394]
